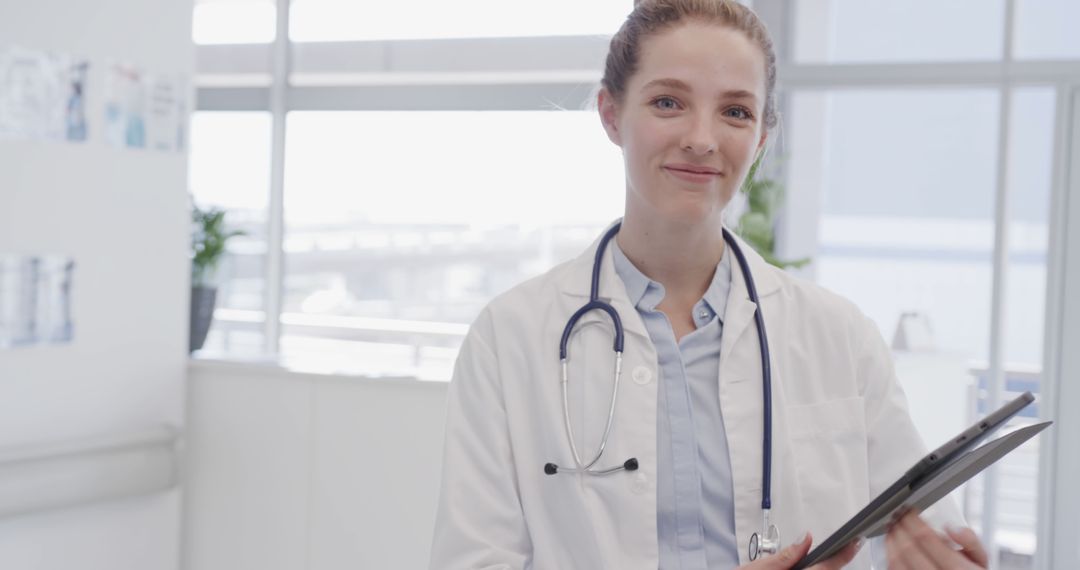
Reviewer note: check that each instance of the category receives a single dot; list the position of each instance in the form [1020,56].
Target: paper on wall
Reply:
[41,95]
[167,116]
[125,106]
[35,300]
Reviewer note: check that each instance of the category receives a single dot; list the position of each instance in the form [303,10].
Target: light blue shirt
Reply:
[695,508]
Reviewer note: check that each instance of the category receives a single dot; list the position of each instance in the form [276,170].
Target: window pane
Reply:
[400,226]
[907,180]
[230,169]
[338,20]
[863,31]
[1030,163]
[907,222]
[234,22]
[1031,154]
[1046,29]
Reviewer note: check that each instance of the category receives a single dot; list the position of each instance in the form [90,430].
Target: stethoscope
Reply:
[766,542]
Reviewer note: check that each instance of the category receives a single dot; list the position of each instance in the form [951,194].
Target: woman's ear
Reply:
[609,114]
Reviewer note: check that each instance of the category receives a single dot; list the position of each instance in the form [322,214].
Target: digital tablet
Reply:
[931,478]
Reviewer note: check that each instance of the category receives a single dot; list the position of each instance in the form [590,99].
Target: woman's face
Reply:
[690,123]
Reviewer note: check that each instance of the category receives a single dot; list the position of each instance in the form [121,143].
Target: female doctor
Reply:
[657,461]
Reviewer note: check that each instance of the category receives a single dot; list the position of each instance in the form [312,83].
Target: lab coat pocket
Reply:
[829,446]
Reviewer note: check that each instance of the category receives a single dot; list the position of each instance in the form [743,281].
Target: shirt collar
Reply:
[717,293]
[633,279]
[644,293]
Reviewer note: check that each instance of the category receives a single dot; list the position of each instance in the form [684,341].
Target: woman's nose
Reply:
[699,138]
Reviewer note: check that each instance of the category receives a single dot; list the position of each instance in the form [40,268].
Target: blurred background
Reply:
[389,167]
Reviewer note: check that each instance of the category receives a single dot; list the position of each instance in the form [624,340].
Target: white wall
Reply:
[291,471]
[122,215]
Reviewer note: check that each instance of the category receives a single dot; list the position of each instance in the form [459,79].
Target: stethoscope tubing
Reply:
[766,375]
[607,429]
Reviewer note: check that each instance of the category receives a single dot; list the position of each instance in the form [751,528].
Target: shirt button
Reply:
[642,375]
[704,313]
[640,484]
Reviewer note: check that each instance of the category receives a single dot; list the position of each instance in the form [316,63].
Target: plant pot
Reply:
[202,314]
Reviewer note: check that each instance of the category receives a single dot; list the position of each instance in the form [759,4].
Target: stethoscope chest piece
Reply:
[767,542]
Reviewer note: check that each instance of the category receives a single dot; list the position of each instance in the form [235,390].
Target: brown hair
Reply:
[653,16]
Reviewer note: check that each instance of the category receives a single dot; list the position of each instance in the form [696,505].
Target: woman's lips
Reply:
[697,176]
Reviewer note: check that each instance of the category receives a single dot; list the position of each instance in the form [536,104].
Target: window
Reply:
[230,169]
[907,221]
[1031,124]
[338,20]
[868,31]
[234,21]
[907,181]
[413,221]
[1046,29]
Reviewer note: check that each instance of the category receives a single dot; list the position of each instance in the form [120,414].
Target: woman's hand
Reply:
[911,544]
[792,553]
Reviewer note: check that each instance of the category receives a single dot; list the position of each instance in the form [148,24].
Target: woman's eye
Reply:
[665,104]
[739,113]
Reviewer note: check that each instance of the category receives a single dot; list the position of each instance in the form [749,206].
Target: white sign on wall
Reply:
[42,95]
[166,113]
[144,110]
[125,106]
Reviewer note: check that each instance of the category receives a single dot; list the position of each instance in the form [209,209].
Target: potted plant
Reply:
[208,239]
[757,224]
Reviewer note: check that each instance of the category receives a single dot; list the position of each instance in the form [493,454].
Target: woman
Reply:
[688,96]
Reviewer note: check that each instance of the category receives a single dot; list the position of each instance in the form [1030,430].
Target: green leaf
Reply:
[208,242]
[757,224]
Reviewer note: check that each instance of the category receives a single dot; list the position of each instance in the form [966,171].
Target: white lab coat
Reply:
[841,429]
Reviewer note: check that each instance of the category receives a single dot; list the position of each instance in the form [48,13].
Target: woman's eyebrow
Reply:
[739,94]
[667,82]
[683,86]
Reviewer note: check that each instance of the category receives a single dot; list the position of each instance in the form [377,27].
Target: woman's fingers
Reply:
[912,543]
[902,551]
[789,555]
[783,560]
[840,559]
[930,544]
[969,542]
[793,553]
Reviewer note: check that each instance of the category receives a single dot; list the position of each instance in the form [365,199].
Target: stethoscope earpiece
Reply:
[628,465]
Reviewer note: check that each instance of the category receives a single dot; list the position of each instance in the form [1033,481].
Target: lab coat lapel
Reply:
[739,314]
